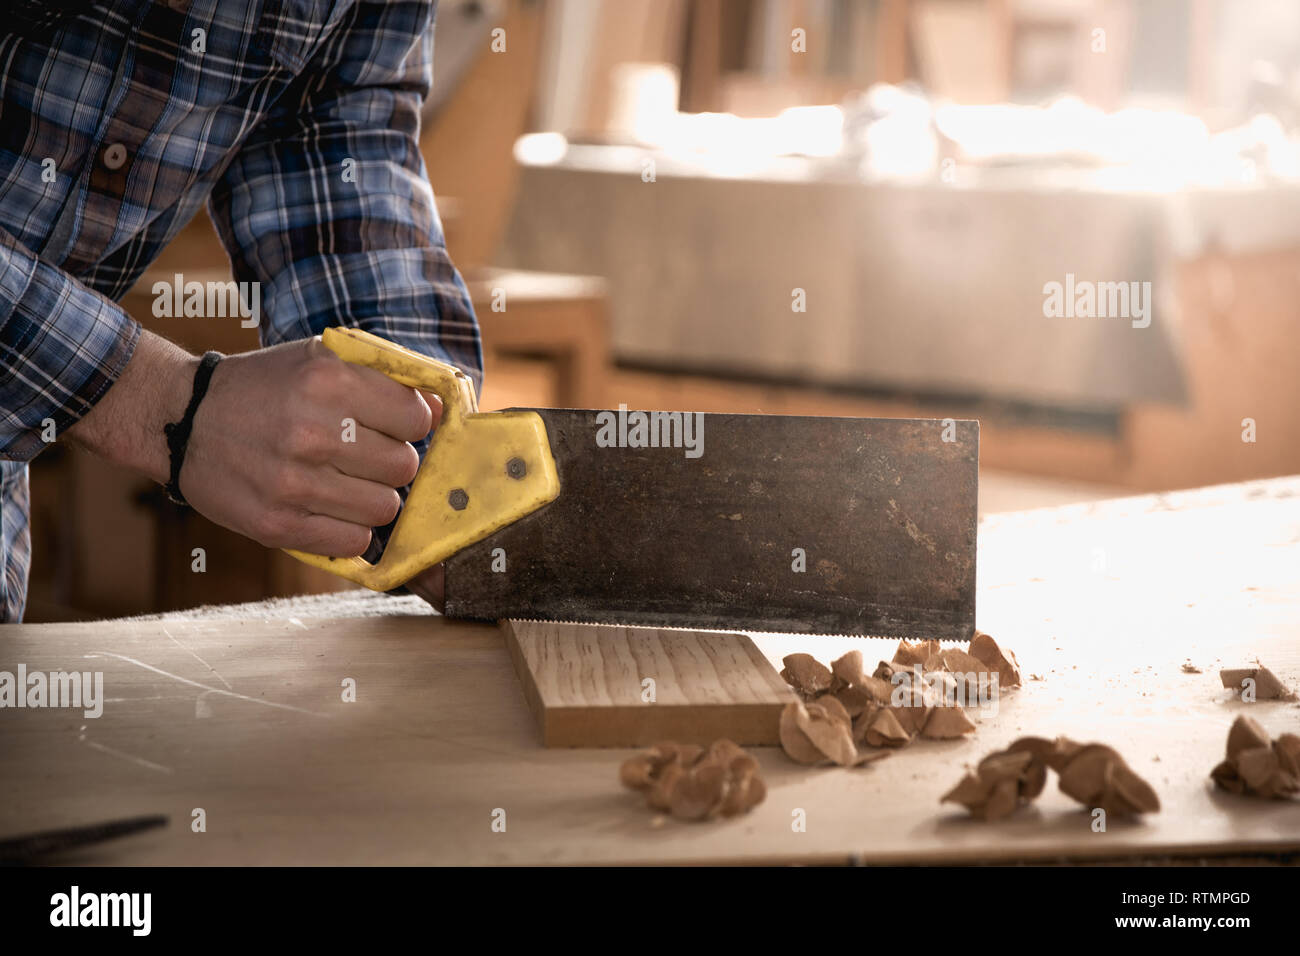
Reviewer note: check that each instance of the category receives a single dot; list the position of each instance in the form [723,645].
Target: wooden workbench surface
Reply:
[245,719]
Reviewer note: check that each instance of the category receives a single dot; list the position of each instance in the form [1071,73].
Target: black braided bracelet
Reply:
[178,433]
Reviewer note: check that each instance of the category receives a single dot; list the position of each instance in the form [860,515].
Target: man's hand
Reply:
[296,448]
[272,455]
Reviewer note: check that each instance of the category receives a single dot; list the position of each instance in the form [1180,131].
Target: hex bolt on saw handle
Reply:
[483,470]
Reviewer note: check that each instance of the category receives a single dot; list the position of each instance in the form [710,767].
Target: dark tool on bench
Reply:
[35,847]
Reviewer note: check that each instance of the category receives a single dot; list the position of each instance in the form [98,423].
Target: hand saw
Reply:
[812,525]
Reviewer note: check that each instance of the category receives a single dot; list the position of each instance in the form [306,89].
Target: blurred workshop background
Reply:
[839,207]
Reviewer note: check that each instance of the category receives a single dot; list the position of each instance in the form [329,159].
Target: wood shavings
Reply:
[820,732]
[1258,766]
[913,696]
[1266,684]
[1098,777]
[829,730]
[947,723]
[816,734]
[1000,783]
[912,716]
[833,708]
[885,730]
[855,700]
[985,649]
[794,741]
[879,690]
[1190,668]
[1093,774]
[693,783]
[806,674]
[957,661]
[1047,753]
[918,653]
[848,669]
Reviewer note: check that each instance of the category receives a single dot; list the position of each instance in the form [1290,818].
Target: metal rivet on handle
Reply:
[516,468]
[458,499]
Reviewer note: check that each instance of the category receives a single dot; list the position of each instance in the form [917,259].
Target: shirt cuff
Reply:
[61,346]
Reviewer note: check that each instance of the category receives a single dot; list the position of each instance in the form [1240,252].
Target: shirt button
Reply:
[115,156]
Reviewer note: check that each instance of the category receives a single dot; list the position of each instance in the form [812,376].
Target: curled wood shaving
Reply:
[747,790]
[1046,753]
[833,709]
[1093,774]
[957,661]
[796,744]
[912,716]
[918,653]
[986,650]
[880,690]
[1258,766]
[947,723]
[1098,777]
[820,732]
[855,700]
[694,783]
[829,730]
[848,669]
[885,729]
[1267,686]
[999,784]
[806,674]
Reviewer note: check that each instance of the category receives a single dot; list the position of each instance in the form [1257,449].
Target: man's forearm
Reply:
[126,424]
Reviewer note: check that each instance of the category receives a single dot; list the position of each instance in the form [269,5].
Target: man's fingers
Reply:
[387,407]
[435,406]
[353,500]
[373,456]
[321,534]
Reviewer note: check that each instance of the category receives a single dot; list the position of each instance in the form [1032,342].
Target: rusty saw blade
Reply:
[748,522]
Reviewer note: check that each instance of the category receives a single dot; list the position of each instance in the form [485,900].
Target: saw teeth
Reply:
[721,630]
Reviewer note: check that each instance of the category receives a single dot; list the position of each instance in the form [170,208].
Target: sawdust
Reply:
[1093,774]
[1265,684]
[1190,668]
[694,783]
[1258,766]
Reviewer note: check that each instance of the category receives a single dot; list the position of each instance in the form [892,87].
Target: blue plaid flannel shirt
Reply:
[141,119]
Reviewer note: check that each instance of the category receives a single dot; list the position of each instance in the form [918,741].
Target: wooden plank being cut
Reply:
[595,685]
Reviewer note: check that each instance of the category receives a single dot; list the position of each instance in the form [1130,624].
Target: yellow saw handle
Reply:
[483,470]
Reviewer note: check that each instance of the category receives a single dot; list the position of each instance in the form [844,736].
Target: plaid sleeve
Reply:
[61,346]
[328,205]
